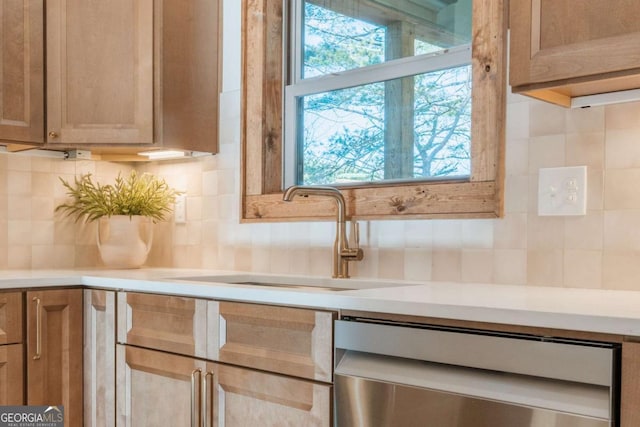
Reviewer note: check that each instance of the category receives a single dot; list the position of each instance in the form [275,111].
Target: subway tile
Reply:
[545,267]
[393,266]
[622,116]
[621,269]
[622,230]
[545,232]
[545,119]
[582,269]
[510,232]
[622,149]
[417,264]
[546,152]
[510,266]
[585,119]
[585,149]
[584,232]
[477,266]
[447,265]
[621,190]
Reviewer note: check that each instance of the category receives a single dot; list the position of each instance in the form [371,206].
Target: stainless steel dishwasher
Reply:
[391,374]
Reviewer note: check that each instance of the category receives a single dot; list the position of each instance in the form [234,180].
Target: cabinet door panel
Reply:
[11,370]
[22,74]
[630,387]
[10,318]
[54,351]
[155,388]
[100,71]
[554,40]
[99,358]
[291,341]
[244,397]
[162,322]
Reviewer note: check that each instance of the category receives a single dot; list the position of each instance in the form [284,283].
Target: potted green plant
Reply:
[124,211]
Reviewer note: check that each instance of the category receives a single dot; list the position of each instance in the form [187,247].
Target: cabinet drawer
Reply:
[10,317]
[161,322]
[286,340]
[249,398]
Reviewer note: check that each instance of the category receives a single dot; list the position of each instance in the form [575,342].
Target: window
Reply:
[378,161]
[378,94]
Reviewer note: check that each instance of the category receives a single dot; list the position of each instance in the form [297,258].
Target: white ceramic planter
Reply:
[123,241]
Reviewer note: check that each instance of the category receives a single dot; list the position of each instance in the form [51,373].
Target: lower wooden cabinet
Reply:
[157,388]
[54,351]
[244,397]
[11,371]
[99,358]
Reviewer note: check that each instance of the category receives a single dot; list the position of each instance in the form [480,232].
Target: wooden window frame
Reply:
[481,196]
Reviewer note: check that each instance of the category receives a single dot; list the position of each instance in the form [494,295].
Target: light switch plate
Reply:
[180,209]
[562,191]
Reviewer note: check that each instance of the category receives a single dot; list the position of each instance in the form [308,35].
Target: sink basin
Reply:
[302,283]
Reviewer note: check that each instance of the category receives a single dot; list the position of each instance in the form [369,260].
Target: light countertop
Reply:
[606,311]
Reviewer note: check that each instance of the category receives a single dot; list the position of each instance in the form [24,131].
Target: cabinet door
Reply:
[10,318]
[244,397]
[553,40]
[54,351]
[162,322]
[100,71]
[290,341]
[630,387]
[99,358]
[190,56]
[156,388]
[22,76]
[11,371]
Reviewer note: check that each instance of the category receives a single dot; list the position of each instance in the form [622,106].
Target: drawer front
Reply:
[244,397]
[286,340]
[162,322]
[10,318]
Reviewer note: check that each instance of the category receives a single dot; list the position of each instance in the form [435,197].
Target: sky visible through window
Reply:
[342,132]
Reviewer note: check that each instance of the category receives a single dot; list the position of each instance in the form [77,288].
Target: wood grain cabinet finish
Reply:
[156,388]
[11,349]
[575,47]
[292,341]
[99,358]
[10,318]
[244,397]
[99,71]
[22,77]
[630,387]
[162,322]
[54,351]
[11,375]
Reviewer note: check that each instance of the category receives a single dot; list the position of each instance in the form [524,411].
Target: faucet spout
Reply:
[342,253]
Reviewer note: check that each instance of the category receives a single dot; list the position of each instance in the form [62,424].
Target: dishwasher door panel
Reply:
[367,403]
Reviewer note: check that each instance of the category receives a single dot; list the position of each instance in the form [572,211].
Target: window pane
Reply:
[341,35]
[416,127]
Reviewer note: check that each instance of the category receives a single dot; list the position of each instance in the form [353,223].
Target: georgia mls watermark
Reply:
[31,416]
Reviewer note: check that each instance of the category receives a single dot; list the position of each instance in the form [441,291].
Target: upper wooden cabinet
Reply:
[117,74]
[99,71]
[562,49]
[22,76]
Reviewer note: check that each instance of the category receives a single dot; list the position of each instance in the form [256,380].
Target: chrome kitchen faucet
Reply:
[342,253]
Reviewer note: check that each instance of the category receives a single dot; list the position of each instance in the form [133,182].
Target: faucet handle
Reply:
[356,232]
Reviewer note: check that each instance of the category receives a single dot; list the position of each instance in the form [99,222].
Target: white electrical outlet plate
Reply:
[180,209]
[562,191]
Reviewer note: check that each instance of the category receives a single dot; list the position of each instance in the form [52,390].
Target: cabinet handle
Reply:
[53,135]
[195,402]
[206,387]
[38,328]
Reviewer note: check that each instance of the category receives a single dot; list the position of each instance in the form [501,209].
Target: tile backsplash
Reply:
[598,250]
